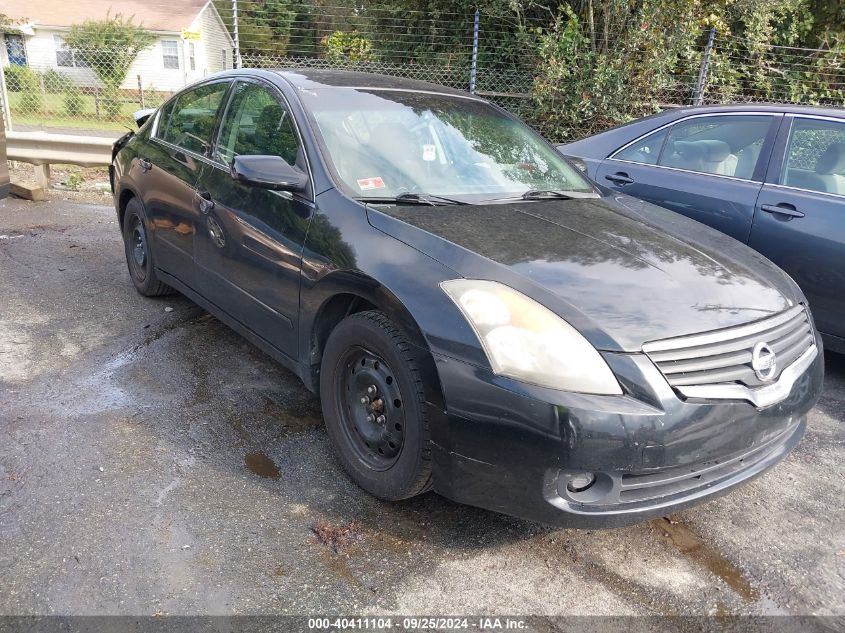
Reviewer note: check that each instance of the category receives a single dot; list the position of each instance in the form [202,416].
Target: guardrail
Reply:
[43,149]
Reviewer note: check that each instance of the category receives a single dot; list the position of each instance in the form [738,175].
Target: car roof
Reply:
[786,108]
[318,78]
[604,143]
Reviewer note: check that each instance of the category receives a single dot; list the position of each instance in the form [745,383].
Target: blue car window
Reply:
[815,156]
[645,151]
[720,145]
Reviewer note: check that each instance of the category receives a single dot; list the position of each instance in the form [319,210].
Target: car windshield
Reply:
[385,143]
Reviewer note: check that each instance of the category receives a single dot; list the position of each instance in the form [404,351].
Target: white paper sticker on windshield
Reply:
[365,184]
[429,152]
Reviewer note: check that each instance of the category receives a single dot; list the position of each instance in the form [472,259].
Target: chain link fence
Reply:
[62,86]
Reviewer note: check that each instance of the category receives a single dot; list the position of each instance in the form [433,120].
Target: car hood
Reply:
[621,270]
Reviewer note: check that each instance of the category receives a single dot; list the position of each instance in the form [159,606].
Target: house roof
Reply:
[153,15]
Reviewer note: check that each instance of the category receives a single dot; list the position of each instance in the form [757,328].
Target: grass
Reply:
[54,115]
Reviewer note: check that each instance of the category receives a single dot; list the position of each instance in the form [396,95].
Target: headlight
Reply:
[526,341]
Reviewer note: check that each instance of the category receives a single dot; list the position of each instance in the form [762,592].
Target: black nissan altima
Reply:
[477,317]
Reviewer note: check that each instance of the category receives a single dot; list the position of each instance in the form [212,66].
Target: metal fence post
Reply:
[698,95]
[474,66]
[235,33]
[5,107]
[140,93]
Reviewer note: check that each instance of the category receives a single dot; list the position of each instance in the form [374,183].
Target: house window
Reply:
[64,56]
[170,53]
[15,49]
[192,56]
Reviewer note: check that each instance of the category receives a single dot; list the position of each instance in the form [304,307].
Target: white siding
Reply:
[212,53]
[41,51]
[216,43]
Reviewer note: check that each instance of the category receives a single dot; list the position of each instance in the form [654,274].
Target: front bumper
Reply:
[512,448]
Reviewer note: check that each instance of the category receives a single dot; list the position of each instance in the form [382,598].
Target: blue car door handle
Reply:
[782,209]
[619,178]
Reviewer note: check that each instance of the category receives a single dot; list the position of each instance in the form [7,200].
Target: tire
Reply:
[364,351]
[139,258]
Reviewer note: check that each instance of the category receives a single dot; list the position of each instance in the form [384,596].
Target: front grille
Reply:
[724,356]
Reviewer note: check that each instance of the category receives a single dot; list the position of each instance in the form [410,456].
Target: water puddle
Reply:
[261,465]
[693,546]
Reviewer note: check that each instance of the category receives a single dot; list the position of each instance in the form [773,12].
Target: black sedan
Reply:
[477,317]
[770,176]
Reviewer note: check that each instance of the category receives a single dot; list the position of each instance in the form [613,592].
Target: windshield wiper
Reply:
[409,197]
[548,194]
[537,194]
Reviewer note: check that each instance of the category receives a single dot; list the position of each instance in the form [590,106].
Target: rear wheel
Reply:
[138,255]
[374,406]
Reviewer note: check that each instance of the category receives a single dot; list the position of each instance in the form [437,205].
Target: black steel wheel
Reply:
[371,408]
[138,249]
[374,407]
[138,254]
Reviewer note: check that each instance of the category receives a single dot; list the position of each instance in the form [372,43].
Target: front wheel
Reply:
[138,255]
[374,406]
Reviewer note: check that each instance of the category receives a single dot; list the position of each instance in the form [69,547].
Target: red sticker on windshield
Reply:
[365,184]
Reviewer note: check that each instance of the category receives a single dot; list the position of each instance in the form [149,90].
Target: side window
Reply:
[645,151]
[190,118]
[815,156]
[256,123]
[721,145]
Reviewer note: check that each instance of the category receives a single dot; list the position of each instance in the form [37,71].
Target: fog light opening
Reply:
[580,482]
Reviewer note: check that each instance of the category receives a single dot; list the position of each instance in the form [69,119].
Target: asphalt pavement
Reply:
[153,462]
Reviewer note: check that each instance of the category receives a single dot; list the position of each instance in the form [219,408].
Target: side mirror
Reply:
[141,116]
[268,172]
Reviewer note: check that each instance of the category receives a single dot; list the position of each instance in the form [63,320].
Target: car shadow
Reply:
[258,420]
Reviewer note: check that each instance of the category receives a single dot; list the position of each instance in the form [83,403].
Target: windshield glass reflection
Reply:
[385,143]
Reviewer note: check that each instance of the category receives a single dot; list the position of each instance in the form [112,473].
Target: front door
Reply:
[704,167]
[800,219]
[166,169]
[249,245]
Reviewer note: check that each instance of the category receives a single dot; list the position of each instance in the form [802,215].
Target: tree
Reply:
[109,47]
[265,26]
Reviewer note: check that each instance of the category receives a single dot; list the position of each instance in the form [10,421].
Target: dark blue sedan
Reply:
[771,176]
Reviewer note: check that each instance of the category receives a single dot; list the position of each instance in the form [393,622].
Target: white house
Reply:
[192,39]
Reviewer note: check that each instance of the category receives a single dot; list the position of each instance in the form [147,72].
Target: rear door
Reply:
[166,170]
[249,242]
[799,222]
[707,167]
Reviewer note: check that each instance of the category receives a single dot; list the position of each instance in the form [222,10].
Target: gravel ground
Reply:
[153,462]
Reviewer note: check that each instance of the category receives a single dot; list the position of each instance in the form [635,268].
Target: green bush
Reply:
[19,76]
[111,104]
[342,46]
[73,100]
[56,82]
[26,82]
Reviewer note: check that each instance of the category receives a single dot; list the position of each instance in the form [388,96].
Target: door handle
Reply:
[782,209]
[206,204]
[145,164]
[619,178]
